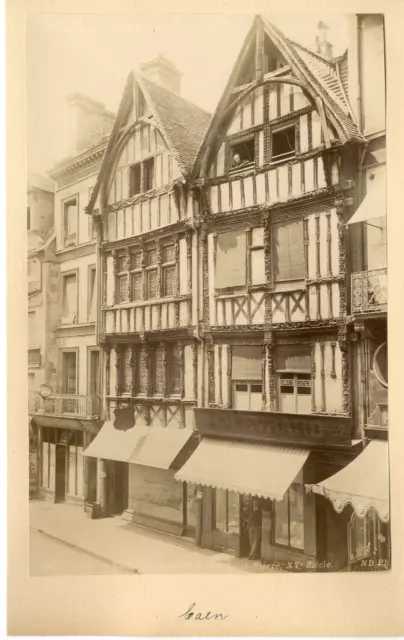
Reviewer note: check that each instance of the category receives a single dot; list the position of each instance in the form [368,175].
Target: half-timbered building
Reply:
[275,176]
[148,317]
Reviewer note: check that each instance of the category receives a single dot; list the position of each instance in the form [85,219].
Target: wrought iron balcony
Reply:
[61,405]
[369,291]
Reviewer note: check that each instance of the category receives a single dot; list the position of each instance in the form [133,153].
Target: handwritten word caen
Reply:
[190,613]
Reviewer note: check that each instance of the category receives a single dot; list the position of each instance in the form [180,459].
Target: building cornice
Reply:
[73,163]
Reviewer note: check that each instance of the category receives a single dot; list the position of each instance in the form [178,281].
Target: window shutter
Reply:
[246,363]
[288,250]
[231,259]
[70,298]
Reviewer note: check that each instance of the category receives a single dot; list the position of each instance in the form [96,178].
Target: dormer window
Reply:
[242,154]
[284,143]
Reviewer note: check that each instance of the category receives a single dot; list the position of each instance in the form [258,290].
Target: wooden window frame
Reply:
[148,269]
[64,203]
[131,179]
[136,271]
[63,351]
[170,264]
[64,275]
[169,365]
[278,283]
[277,129]
[249,384]
[293,375]
[235,141]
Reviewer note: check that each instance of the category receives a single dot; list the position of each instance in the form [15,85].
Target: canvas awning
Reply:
[148,446]
[160,447]
[259,470]
[115,444]
[364,483]
[373,205]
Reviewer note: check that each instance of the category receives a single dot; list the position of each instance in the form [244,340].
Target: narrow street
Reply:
[49,557]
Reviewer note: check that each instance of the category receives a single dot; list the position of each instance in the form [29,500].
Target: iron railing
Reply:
[369,291]
[64,405]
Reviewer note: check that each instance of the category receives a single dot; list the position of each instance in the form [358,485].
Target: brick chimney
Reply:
[163,72]
[89,121]
[323,46]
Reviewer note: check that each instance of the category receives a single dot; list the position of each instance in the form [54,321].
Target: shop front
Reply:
[253,501]
[359,494]
[138,466]
[63,474]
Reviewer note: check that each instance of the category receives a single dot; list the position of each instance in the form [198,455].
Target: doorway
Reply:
[60,484]
[117,488]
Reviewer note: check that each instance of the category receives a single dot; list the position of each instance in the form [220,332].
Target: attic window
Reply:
[284,143]
[242,154]
[135,179]
[148,170]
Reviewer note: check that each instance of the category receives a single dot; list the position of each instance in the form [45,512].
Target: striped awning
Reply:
[259,470]
[364,483]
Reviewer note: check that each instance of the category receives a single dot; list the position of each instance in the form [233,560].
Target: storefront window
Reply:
[227,511]
[289,523]
[192,504]
[155,493]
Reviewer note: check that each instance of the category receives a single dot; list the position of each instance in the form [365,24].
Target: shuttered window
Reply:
[231,260]
[288,250]
[174,370]
[69,313]
[151,284]
[246,363]
[168,281]
[137,288]
[70,223]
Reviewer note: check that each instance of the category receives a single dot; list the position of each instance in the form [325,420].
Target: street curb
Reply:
[97,556]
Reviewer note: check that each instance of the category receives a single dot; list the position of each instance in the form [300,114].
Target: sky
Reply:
[93,54]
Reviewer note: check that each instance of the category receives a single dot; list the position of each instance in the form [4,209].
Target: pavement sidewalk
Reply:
[131,547]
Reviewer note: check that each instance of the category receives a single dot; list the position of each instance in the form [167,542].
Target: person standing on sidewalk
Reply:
[254,530]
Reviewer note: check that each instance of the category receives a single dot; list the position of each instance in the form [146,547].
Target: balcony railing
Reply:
[369,291]
[64,405]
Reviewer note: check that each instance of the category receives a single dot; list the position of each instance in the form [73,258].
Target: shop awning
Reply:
[259,470]
[114,444]
[148,446]
[372,206]
[364,483]
[160,447]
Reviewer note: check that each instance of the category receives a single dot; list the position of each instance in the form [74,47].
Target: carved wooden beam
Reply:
[320,109]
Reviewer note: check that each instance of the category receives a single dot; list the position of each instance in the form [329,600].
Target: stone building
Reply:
[41,275]
[65,407]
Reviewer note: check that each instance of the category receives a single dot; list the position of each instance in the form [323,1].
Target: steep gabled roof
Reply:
[317,73]
[181,123]
[321,77]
